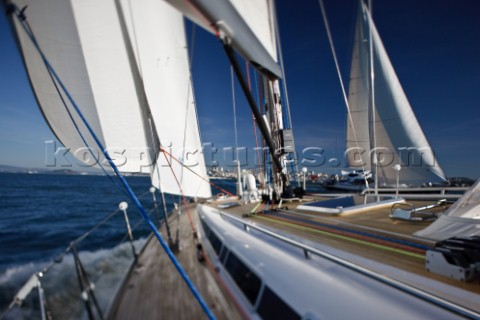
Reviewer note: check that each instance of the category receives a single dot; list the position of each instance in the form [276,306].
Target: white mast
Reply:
[372,104]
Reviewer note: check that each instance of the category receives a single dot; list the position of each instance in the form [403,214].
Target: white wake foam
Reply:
[106,268]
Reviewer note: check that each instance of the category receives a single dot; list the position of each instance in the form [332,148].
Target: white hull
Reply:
[254,264]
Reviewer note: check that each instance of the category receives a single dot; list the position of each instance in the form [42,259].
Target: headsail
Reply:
[157,30]
[247,23]
[398,135]
[461,219]
[126,66]
[88,53]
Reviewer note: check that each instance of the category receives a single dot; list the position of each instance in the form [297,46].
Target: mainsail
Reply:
[461,219]
[127,92]
[389,125]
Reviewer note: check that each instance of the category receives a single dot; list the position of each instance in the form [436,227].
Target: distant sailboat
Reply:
[381,117]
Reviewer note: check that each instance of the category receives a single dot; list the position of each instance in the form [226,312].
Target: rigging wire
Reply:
[284,79]
[190,60]
[19,14]
[155,140]
[234,115]
[195,173]
[185,127]
[194,103]
[260,170]
[135,38]
[372,86]
[156,171]
[330,40]
[237,152]
[192,225]
[262,156]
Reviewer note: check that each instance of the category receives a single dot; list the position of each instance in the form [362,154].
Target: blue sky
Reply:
[434,47]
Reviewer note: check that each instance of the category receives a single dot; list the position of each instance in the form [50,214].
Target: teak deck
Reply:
[155,289]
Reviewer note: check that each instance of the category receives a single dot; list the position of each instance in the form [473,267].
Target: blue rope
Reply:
[21,18]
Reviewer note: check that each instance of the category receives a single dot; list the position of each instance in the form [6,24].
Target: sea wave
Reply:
[105,268]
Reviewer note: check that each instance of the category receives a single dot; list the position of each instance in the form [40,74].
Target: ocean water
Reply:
[41,214]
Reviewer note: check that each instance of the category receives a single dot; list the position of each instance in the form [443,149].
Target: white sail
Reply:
[398,136]
[358,133]
[461,219]
[116,85]
[62,46]
[249,24]
[157,30]
[259,16]
[84,44]
[126,65]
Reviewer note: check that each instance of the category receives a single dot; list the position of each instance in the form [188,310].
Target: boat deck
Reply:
[373,240]
[155,290]
[370,239]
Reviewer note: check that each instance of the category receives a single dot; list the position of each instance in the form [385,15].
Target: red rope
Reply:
[350,235]
[211,183]
[181,191]
[224,287]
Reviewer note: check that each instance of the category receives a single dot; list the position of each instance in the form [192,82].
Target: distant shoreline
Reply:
[22,170]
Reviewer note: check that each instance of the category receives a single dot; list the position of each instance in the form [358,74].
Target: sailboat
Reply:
[113,82]
[383,134]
